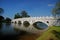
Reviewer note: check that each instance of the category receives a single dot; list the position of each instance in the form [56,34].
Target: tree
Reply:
[56,10]
[1,10]
[56,13]
[1,19]
[7,20]
[24,14]
[17,16]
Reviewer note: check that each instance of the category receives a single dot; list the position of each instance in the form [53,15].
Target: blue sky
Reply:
[32,7]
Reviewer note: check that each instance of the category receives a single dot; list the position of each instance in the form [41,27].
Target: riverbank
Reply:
[28,37]
[53,33]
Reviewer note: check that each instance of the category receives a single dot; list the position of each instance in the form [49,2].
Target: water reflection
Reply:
[42,25]
[7,29]
[7,24]
[0,29]
[1,25]
[8,32]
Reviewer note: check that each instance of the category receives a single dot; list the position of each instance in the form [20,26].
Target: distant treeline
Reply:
[17,15]
[2,19]
[21,15]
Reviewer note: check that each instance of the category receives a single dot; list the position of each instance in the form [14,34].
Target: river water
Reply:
[7,29]
[8,32]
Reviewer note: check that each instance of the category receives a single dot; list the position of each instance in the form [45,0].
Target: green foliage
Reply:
[8,20]
[53,32]
[1,10]
[56,13]
[17,16]
[23,14]
[56,10]
[1,19]
[56,33]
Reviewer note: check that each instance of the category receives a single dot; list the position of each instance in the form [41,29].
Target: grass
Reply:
[49,35]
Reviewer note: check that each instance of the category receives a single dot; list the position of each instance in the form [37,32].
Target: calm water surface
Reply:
[7,29]
[8,32]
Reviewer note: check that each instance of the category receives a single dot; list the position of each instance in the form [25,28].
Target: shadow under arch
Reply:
[40,25]
[26,23]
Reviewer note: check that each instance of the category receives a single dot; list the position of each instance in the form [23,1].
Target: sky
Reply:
[34,8]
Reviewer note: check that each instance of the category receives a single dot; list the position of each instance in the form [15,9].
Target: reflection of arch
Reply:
[26,23]
[19,22]
[40,25]
[12,22]
[15,22]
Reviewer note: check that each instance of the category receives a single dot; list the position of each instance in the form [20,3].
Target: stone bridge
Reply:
[33,24]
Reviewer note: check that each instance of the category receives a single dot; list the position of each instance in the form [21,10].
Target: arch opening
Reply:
[26,23]
[19,23]
[40,25]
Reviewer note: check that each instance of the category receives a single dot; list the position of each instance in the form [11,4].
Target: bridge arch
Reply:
[40,25]
[26,23]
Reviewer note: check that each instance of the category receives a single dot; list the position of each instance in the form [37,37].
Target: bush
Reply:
[8,20]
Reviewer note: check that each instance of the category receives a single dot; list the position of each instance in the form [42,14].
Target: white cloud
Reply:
[50,5]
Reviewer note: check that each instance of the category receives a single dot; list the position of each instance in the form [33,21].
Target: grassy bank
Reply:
[53,33]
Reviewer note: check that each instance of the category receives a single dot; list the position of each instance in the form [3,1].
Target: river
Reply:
[8,32]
